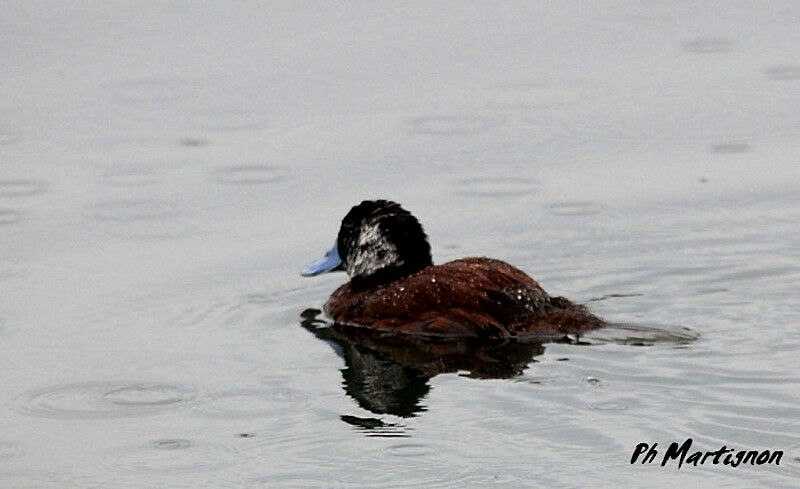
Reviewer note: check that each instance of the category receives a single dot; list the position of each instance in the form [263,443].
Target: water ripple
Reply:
[295,481]
[730,148]
[142,218]
[440,139]
[10,216]
[92,400]
[408,475]
[708,45]
[193,142]
[411,450]
[133,210]
[783,72]
[670,116]
[496,187]
[264,402]
[641,335]
[574,208]
[249,174]
[40,479]
[170,455]
[22,188]
[7,137]
[9,450]
[451,125]
[129,177]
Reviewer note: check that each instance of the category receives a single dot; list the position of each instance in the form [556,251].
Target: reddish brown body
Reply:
[471,297]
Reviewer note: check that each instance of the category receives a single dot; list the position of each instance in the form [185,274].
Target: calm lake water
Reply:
[166,168]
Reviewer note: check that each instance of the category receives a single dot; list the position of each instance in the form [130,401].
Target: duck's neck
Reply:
[386,275]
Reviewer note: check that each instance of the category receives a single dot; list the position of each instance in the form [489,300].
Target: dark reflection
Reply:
[376,428]
[388,374]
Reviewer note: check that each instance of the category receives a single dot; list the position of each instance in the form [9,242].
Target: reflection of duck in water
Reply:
[388,374]
[395,287]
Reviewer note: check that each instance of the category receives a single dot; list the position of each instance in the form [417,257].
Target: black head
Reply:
[378,241]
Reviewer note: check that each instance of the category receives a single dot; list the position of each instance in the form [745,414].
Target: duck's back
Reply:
[470,297]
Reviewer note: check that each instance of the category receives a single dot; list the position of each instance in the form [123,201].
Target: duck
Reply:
[395,288]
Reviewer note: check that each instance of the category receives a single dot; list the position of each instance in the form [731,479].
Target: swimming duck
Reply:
[395,287]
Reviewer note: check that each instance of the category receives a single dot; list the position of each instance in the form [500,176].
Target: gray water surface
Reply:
[166,168]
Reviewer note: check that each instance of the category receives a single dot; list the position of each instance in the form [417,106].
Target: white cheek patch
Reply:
[371,252]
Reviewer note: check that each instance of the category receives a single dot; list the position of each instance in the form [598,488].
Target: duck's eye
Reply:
[363,247]
[381,254]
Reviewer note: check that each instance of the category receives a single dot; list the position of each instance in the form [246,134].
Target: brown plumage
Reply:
[470,297]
